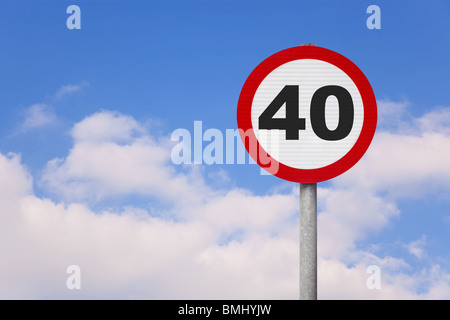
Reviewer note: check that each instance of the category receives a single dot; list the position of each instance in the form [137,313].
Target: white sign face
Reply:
[308,150]
[310,110]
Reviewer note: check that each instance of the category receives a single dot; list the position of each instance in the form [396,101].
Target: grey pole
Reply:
[308,237]
[308,241]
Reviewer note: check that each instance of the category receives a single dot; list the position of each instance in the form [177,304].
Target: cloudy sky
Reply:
[87,179]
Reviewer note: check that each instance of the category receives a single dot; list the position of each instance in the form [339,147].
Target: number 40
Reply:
[292,123]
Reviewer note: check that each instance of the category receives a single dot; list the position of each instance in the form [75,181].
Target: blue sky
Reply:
[82,112]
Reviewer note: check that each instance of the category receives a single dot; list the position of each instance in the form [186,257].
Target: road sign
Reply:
[309,110]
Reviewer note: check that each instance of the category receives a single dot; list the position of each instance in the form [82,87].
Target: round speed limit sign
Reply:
[308,110]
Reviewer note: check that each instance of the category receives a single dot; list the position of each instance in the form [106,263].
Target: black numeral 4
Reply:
[291,123]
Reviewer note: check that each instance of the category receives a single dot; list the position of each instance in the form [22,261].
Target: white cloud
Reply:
[402,164]
[130,254]
[69,89]
[222,245]
[107,126]
[349,214]
[363,201]
[38,115]
[15,180]
[340,281]
[416,247]
[42,114]
[113,155]
[392,113]
[437,121]
[215,243]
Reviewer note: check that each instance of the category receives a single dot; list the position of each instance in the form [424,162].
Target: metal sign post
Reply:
[308,241]
[308,237]
[299,81]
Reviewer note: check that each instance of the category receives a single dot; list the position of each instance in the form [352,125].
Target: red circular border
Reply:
[308,52]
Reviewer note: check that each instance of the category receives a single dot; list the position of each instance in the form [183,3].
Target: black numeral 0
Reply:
[346,113]
[292,123]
